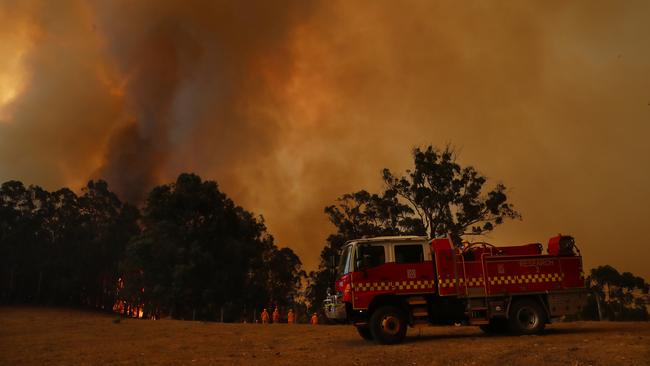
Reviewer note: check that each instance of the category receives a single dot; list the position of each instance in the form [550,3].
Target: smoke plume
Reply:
[289,104]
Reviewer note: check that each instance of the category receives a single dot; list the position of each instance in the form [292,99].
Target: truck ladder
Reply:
[477,308]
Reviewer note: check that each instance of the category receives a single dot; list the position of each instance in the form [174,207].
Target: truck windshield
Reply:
[345,262]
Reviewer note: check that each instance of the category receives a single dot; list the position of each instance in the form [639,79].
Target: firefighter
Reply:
[290,317]
[314,319]
[265,316]
[276,315]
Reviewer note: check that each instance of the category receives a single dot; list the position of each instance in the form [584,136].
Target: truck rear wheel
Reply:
[388,325]
[364,332]
[526,317]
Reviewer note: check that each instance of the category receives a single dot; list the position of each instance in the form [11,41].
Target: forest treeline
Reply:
[616,296]
[189,253]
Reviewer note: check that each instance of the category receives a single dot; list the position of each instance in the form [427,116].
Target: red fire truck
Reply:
[388,283]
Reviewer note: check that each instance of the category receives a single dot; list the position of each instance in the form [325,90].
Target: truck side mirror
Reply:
[364,262]
[360,264]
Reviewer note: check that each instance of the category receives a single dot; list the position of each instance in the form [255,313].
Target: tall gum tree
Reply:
[448,198]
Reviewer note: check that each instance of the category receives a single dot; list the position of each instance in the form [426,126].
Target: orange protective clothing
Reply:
[265,317]
[291,317]
[276,316]
[314,319]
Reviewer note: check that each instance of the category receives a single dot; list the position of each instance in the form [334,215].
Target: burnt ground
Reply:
[41,336]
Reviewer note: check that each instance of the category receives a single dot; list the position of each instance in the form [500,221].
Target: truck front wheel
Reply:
[388,325]
[526,317]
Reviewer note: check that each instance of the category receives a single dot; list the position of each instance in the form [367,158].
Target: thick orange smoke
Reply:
[289,105]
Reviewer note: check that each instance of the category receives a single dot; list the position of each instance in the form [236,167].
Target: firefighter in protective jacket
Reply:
[276,315]
[265,316]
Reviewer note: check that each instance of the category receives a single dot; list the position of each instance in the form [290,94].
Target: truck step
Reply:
[420,323]
[420,313]
[417,301]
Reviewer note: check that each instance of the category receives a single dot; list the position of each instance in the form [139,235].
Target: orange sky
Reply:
[290,105]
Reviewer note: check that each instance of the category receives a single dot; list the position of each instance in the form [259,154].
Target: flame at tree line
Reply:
[121,306]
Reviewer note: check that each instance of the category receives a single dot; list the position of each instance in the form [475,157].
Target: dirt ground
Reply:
[37,336]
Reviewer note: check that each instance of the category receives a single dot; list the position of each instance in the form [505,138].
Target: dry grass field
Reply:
[39,336]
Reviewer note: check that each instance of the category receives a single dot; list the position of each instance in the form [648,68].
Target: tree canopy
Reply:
[448,198]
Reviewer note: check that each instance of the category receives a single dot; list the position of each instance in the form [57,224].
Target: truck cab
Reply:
[385,265]
[377,270]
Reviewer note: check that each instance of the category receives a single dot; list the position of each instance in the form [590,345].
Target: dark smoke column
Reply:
[200,78]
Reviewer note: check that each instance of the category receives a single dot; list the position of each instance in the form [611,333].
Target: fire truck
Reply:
[387,284]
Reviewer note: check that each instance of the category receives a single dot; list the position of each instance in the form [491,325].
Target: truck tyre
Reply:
[388,325]
[526,317]
[365,333]
[496,326]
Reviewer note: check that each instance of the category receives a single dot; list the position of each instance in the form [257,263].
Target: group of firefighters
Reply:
[291,317]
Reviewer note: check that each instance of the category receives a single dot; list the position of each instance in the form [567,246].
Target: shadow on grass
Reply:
[414,338]
[575,330]
[478,335]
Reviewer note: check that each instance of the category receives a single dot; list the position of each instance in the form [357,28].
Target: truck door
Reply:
[412,270]
[445,265]
[369,278]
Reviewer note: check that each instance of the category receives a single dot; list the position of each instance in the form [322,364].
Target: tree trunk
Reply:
[38,286]
[600,311]
[102,293]
[11,281]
